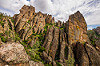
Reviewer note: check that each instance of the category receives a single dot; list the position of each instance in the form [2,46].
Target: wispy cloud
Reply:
[60,9]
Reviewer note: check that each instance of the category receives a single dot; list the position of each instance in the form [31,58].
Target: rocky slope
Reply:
[94,36]
[35,39]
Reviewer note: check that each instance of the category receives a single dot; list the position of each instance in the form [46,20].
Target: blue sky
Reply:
[60,9]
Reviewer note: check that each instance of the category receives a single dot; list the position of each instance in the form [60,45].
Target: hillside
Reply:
[35,39]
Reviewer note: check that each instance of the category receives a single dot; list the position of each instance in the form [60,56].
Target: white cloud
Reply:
[13,5]
[60,9]
[90,28]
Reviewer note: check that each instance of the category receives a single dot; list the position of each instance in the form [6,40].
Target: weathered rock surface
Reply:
[93,54]
[32,63]
[13,53]
[77,28]
[97,30]
[59,43]
[81,55]
[27,21]
[94,37]
[68,43]
[1,29]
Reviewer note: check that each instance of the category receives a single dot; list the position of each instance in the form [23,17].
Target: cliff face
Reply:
[28,20]
[53,43]
[77,28]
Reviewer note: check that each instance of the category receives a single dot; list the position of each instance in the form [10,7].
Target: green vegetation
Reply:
[3,39]
[70,61]
[92,36]
[45,28]
[12,20]
[33,51]
[66,51]
[62,27]
[57,53]
[17,38]
[2,23]
[58,64]
[28,21]
[41,49]
[2,15]
[14,36]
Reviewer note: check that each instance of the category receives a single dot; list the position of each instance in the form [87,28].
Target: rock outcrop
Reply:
[27,21]
[97,30]
[13,53]
[77,28]
[47,41]
[94,37]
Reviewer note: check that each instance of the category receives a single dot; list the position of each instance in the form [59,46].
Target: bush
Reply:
[66,51]
[12,20]
[92,36]
[41,49]
[17,38]
[2,23]
[4,39]
[28,22]
[70,61]
[58,64]
[45,28]
[33,52]
[36,45]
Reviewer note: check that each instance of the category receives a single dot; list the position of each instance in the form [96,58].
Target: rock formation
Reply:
[77,28]
[47,41]
[13,53]
[94,36]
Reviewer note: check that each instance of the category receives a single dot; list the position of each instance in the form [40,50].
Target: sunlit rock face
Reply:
[47,41]
[77,28]
[27,20]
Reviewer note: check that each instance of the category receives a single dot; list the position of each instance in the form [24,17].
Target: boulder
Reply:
[13,53]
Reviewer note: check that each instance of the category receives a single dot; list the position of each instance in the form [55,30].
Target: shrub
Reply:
[4,39]
[12,20]
[66,51]
[92,36]
[17,38]
[57,56]
[45,28]
[36,45]
[2,23]
[28,22]
[70,61]
[41,49]
[58,64]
